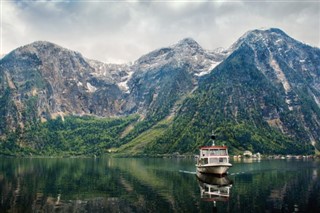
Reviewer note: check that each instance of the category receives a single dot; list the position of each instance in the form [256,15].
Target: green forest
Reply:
[92,136]
[69,136]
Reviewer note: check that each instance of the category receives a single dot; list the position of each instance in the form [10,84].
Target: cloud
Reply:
[122,31]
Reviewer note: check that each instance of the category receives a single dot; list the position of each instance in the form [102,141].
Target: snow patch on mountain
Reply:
[91,88]
[280,75]
[79,84]
[282,78]
[205,72]
[124,83]
[111,72]
[186,52]
[316,100]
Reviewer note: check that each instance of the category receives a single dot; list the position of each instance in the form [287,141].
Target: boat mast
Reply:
[213,137]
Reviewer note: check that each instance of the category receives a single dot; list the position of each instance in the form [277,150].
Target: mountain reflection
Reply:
[93,185]
[59,185]
[155,185]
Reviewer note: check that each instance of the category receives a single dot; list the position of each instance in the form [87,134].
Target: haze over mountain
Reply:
[262,94]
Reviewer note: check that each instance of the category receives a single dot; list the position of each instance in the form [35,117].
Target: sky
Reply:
[122,31]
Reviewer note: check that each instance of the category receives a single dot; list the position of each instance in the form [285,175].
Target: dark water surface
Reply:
[156,185]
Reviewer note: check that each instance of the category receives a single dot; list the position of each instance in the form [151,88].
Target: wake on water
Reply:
[187,172]
[193,173]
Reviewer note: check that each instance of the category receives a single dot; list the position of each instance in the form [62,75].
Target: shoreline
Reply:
[174,155]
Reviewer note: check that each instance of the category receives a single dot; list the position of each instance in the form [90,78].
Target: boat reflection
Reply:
[214,188]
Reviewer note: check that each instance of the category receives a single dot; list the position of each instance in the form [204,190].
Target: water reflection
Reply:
[58,185]
[95,185]
[156,185]
[214,188]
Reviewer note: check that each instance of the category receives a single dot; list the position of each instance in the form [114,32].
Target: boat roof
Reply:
[214,147]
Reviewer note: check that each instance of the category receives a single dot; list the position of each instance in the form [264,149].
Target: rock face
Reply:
[264,95]
[43,80]
[266,79]
[163,76]
[292,69]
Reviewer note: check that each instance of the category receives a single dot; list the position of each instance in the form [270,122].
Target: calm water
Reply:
[156,185]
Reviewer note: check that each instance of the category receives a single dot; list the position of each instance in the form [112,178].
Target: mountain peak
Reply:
[188,42]
[263,37]
[265,32]
[45,48]
[276,30]
[40,44]
[182,49]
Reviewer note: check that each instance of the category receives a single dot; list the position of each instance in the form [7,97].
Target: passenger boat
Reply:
[213,159]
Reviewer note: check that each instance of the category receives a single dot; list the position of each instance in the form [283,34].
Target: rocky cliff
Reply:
[263,96]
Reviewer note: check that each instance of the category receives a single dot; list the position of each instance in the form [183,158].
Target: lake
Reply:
[156,185]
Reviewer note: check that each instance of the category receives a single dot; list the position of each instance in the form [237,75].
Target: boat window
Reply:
[223,152]
[217,152]
[213,152]
[213,160]
[205,152]
[205,160]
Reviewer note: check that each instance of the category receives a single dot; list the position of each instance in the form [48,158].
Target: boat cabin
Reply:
[214,154]
[213,160]
[213,151]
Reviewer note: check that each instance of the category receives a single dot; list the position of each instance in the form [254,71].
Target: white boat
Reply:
[213,159]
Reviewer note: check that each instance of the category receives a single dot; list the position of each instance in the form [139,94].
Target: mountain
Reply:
[43,80]
[261,94]
[164,76]
[264,97]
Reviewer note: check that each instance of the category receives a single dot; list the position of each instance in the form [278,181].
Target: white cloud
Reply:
[123,31]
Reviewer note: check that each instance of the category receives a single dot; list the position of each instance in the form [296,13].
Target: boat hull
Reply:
[213,169]
[213,179]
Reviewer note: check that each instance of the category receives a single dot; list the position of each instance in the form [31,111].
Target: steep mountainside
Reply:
[163,76]
[264,97]
[43,80]
[261,94]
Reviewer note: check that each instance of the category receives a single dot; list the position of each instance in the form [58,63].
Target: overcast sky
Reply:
[122,31]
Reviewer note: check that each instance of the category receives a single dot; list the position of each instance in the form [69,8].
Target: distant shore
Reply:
[174,155]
